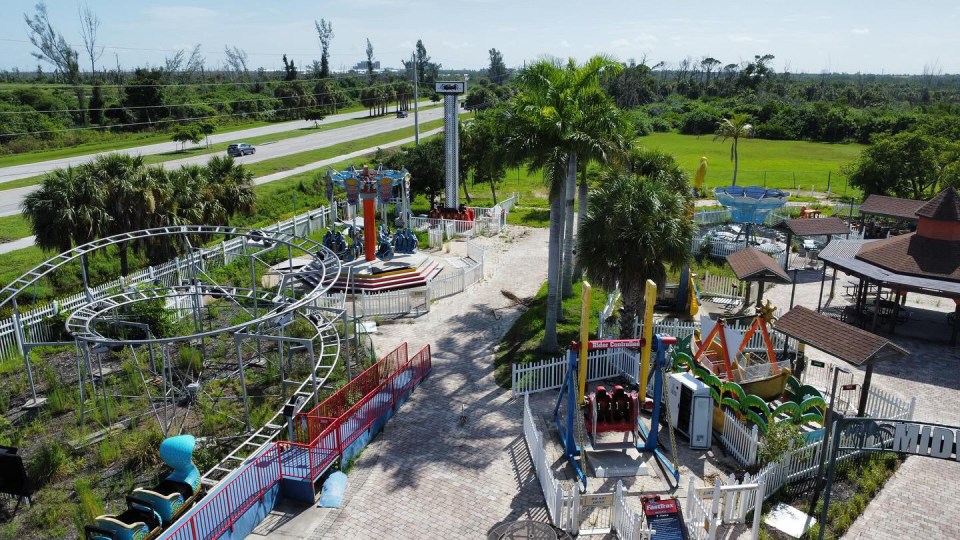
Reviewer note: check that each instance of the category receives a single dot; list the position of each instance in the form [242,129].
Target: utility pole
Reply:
[416,101]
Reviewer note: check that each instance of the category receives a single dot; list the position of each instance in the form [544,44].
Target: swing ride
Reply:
[580,417]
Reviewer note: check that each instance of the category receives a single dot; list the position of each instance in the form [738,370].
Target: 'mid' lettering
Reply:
[907,438]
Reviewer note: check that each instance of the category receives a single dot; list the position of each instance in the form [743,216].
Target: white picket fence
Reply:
[739,440]
[720,286]
[744,442]
[562,505]
[549,374]
[726,502]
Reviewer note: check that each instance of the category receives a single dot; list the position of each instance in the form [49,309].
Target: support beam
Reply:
[865,390]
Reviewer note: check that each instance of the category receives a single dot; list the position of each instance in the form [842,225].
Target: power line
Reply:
[148,49]
[221,83]
[194,103]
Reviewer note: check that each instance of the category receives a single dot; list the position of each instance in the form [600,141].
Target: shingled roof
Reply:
[915,255]
[751,264]
[831,336]
[944,207]
[881,205]
[815,227]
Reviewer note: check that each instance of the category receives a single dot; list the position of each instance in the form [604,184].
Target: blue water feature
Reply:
[750,204]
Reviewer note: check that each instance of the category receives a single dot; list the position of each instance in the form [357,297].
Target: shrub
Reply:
[51,459]
[780,438]
[660,125]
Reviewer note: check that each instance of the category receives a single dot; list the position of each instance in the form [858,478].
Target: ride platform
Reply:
[405,271]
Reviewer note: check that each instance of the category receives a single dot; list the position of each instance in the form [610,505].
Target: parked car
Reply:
[240,149]
[401,114]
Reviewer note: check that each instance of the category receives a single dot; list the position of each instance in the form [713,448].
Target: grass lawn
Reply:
[13,227]
[520,343]
[779,162]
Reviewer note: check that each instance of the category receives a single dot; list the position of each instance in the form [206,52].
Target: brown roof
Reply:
[815,227]
[915,256]
[944,207]
[881,205]
[831,336]
[751,264]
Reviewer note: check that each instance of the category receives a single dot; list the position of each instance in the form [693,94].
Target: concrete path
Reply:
[922,500]
[20,243]
[426,476]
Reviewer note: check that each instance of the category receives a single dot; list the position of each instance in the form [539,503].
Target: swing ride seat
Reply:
[616,413]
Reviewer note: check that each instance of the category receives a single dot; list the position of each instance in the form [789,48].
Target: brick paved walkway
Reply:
[922,500]
[426,476]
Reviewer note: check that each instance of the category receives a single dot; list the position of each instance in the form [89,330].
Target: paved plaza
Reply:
[429,475]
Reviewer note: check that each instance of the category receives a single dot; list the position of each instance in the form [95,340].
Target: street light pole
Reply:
[824,450]
[416,101]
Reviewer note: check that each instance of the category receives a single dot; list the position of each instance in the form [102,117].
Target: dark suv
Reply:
[240,149]
[401,114]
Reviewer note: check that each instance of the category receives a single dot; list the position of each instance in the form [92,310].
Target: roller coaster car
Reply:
[138,522]
[169,498]
[149,510]
[617,412]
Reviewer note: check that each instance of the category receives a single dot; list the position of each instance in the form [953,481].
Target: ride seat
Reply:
[603,404]
[621,405]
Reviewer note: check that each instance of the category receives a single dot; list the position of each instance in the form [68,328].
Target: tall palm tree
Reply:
[231,186]
[129,197]
[634,228]
[67,209]
[734,128]
[48,210]
[559,114]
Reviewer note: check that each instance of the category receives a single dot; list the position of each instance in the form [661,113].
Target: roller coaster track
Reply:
[326,361]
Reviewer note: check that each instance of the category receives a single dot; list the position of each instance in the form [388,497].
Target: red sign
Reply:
[849,387]
[599,344]
[659,508]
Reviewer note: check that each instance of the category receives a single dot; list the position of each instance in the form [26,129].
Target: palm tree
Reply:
[48,210]
[231,186]
[734,127]
[130,199]
[559,114]
[67,209]
[634,228]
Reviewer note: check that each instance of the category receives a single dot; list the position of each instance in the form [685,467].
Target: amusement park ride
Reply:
[579,415]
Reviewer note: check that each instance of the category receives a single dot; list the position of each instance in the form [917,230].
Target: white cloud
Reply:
[861,31]
[565,44]
[619,43]
[179,13]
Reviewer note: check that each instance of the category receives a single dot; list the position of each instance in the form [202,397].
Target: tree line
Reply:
[118,193]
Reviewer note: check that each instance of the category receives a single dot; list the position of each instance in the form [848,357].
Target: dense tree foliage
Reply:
[117,193]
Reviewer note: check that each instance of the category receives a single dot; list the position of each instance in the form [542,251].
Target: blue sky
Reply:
[805,35]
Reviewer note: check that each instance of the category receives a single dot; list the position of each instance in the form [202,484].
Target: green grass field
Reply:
[781,164]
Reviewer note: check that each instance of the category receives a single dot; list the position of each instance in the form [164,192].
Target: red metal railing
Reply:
[394,375]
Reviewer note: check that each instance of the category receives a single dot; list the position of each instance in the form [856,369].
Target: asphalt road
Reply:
[8,174]
[10,199]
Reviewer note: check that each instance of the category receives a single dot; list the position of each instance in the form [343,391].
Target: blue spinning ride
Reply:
[750,204]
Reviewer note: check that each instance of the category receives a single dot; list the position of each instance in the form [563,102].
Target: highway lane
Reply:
[10,199]
[8,174]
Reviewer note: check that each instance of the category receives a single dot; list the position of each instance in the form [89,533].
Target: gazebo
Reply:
[751,264]
[852,345]
[881,206]
[828,227]
[926,261]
